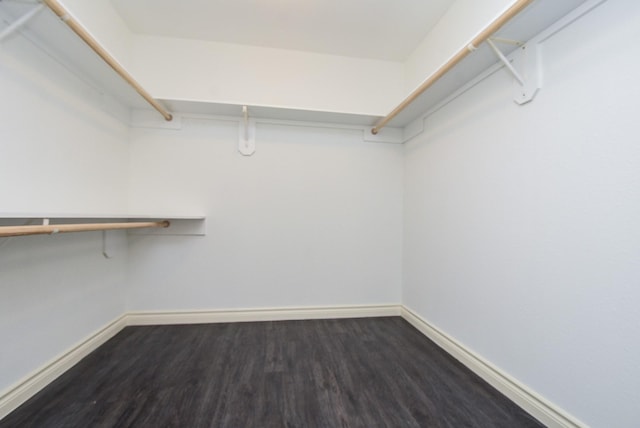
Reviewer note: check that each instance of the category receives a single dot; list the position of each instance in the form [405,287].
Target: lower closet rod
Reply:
[49,229]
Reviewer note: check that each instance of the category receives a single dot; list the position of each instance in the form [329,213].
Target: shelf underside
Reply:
[269,112]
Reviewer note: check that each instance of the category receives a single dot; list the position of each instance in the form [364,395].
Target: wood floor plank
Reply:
[370,372]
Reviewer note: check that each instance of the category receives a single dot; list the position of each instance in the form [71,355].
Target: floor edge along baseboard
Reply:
[40,378]
[537,406]
[534,404]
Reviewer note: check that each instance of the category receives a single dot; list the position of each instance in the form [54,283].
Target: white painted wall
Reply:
[235,74]
[59,152]
[101,20]
[54,293]
[464,20]
[522,224]
[313,218]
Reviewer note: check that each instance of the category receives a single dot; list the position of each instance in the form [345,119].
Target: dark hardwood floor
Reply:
[374,372]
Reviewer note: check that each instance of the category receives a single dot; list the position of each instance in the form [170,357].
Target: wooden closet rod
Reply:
[516,8]
[62,13]
[49,229]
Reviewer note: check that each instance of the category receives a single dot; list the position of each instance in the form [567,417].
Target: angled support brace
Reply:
[524,66]
[506,62]
[15,26]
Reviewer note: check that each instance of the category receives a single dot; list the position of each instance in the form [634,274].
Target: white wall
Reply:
[313,218]
[464,20]
[236,74]
[105,25]
[54,293]
[59,152]
[522,224]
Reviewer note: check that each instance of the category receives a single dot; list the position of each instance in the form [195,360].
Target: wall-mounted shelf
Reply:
[47,31]
[268,114]
[531,22]
[538,18]
[271,112]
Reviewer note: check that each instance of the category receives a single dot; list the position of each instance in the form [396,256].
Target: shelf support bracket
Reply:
[506,62]
[18,23]
[107,250]
[527,59]
[247,140]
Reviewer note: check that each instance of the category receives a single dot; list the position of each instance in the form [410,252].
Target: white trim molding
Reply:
[261,314]
[26,388]
[537,406]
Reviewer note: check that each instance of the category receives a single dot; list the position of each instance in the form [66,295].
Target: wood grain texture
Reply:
[373,372]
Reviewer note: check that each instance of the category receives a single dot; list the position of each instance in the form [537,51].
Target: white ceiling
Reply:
[380,29]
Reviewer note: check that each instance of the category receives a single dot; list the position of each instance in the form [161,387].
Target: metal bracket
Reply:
[247,141]
[15,25]
[528,60]
[525,68]
[107,250]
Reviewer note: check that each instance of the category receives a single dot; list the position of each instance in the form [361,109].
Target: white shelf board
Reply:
[270,112]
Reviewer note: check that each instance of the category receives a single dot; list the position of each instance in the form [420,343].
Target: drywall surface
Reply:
[235,74]
[522,224]
[313,218]
[105,25]
[458,26]
[59,152]
[54,293]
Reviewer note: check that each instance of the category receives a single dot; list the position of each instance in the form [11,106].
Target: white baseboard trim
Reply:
[523,396]
[269,314]
[14,396]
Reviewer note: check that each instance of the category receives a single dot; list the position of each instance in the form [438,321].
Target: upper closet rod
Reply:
[59,10]
[49,229]
[516,8]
